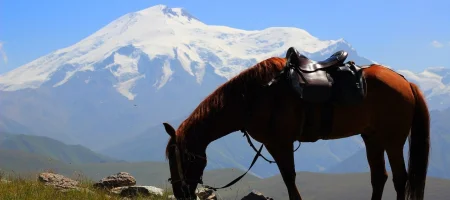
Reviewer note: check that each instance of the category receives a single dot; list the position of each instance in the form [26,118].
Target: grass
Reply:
[311,185]
[27,187]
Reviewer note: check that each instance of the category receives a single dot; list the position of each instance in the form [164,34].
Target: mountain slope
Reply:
[11,126]
[23,162]
[47,147]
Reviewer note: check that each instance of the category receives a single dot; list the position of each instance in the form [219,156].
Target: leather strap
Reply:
[240,177]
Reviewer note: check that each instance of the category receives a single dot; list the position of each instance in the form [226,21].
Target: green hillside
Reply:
[10,126]
[47,147]
[19,162]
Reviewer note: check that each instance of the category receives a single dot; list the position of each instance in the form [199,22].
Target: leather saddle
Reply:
[321,85]
[329,80]
[307,65]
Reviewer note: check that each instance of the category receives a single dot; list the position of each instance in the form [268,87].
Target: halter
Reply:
[191,158]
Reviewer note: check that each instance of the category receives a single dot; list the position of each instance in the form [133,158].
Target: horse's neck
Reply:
[216,128]
[229,119]
[232,113]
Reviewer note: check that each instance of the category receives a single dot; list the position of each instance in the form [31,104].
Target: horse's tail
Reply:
[419,147]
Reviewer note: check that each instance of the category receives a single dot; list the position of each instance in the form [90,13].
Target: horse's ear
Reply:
[169,129]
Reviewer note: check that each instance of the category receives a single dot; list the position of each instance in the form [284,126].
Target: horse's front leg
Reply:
[283,154]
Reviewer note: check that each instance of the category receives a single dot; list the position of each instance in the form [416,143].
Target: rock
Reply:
[255,195]
[116,180]
[205,194]
[58,181]
[133,191]
[117,190]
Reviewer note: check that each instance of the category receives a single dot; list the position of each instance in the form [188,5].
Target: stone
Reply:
[205,194]
[117,190]
[255,195]
[116,180]
[133,191]
[58,181]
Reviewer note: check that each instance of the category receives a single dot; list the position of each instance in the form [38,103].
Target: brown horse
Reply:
[273,116]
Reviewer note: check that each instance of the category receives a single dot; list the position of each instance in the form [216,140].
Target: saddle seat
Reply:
[308,65]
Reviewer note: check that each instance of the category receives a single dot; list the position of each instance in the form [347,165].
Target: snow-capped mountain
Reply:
[152,66]
[150,58]
[162,31]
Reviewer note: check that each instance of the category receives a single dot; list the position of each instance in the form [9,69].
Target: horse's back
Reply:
[389,101]
[384,82]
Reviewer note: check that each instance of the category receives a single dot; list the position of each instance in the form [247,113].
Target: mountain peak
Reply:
[171,34]
[167,11]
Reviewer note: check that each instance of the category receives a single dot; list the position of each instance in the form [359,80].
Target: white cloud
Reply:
[3,53]
[436,44]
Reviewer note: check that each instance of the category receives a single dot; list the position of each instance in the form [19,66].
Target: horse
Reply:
[392,111]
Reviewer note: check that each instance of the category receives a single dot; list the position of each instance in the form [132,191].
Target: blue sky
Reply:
[403,34]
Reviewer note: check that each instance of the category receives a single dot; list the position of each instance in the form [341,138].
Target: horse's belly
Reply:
[346,122]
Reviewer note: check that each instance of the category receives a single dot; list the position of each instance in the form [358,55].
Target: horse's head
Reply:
[186,166]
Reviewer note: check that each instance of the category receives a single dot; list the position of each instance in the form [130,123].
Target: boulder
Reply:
[255,195]
[120,179]
[58,181]
[134,191]
[205,194]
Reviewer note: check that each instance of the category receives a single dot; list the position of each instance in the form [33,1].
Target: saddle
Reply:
[330,80]
[321,85]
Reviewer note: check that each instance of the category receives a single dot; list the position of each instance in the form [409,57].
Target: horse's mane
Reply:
[248,80]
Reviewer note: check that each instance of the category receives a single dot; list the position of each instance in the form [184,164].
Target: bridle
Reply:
[191,157]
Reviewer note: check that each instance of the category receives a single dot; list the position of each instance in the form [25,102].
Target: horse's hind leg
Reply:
[395,155]
[283,155]
[375,157]
[394,140]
